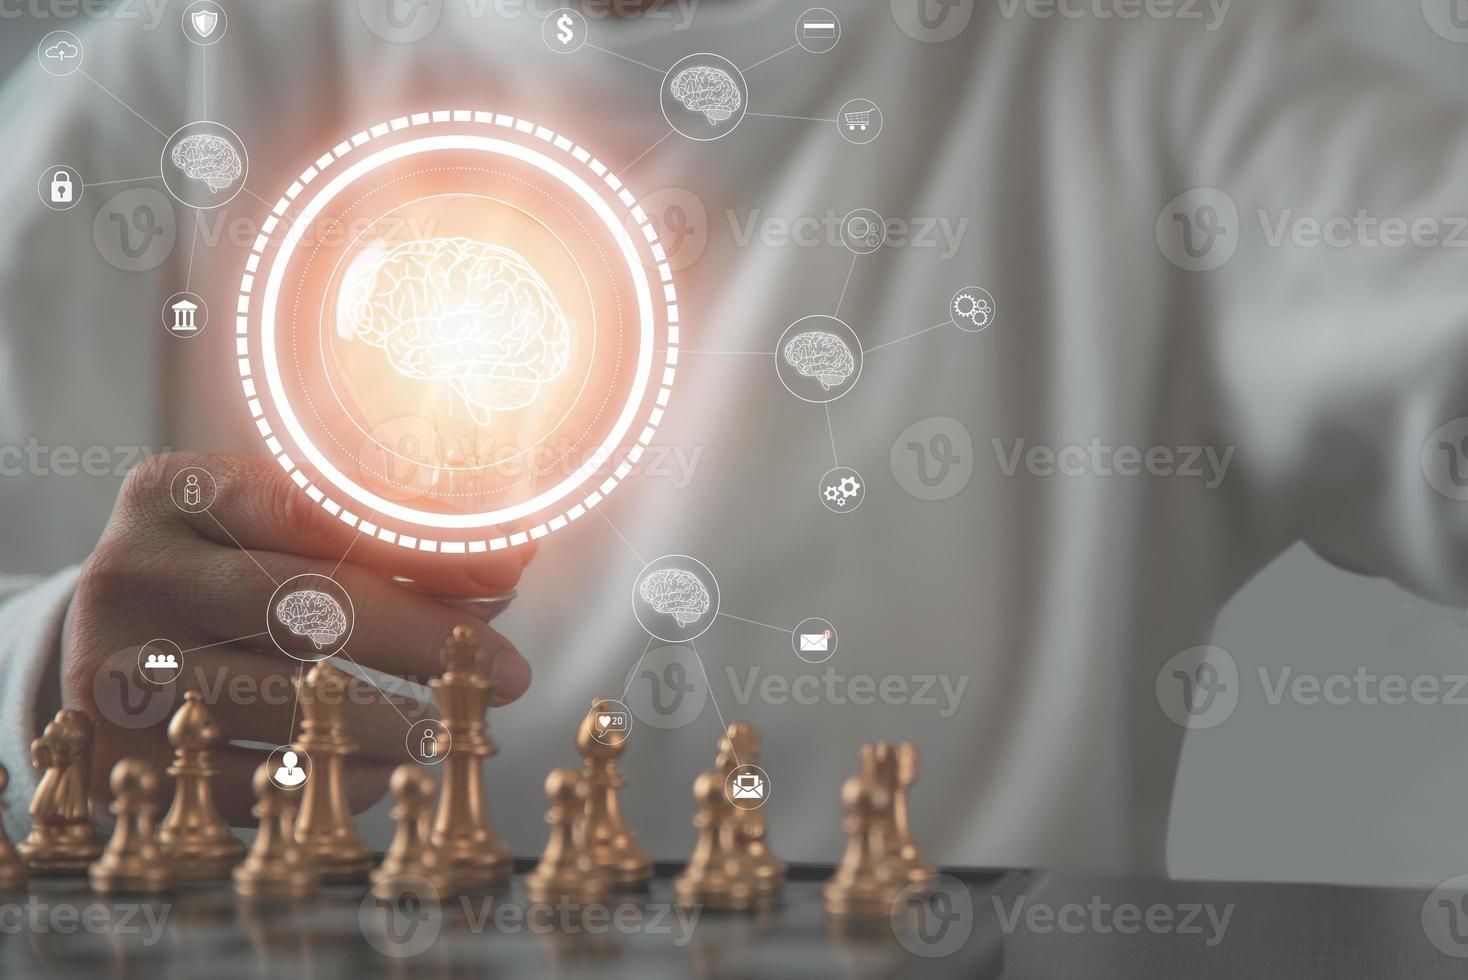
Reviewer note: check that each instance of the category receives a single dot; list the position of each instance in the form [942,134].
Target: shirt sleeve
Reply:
[32,614]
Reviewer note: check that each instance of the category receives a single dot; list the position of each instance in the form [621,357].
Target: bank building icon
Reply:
[184,312]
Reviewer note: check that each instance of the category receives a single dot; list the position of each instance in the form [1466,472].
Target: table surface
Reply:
[982,924]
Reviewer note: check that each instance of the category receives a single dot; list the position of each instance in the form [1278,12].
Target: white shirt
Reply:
[1015,630]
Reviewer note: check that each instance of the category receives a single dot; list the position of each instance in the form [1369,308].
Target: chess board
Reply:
[60,929]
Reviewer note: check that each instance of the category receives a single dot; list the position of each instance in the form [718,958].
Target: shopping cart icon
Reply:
[858,120]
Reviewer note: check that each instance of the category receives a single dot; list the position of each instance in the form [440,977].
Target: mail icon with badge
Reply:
[749,786]
[815,642]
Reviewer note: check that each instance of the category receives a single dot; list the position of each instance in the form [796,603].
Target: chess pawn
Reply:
[276,867]
[133,861]
[610,842]
[462,831]
[863,885]
[745,829]
[193,834]
[13,871]
[324,824]
[566,874]
[410,860]
[62,840]
[713,878]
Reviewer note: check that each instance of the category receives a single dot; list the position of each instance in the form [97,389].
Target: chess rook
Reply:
[462,831]
[745,828]
[193,834]
[13,871]
[410,860]
[324,824]
[276,867]
[863,885]
[62,840]
[610,842]
[133,862]
[566,874]
[713,878]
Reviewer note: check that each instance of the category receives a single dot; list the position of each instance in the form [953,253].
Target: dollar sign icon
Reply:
[565,32]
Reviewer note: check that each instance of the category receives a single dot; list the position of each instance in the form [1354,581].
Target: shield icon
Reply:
[205,21]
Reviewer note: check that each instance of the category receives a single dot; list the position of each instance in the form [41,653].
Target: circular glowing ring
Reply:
[546,164]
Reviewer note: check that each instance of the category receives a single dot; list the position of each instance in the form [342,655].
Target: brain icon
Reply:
[675,592]
[820,355]
[474,315]
[711,91]
[209,158]
[314,614]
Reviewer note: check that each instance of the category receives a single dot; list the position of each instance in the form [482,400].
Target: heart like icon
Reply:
[603,721]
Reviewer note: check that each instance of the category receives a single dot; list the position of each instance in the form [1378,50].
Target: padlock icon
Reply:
[61,187]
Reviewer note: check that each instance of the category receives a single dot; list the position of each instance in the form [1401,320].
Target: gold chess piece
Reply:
[610,842]
[895,768]
[903,850]
[462,831]
[133,861]
[62,840]
[276,867]
[409,859]
[863,885]
[566,874]
[324,824]
[13,871]
[745,830]
[193,834]
[712,878]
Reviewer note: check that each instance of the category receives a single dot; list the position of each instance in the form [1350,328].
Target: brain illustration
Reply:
[710,91]
[675,592]
[208,158]
[314,614]
[473,315]
[820,355]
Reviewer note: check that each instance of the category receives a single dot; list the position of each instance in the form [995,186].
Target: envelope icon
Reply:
[815,642]
[749,786]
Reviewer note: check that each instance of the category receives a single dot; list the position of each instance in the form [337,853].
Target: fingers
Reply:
[256,506]
[223,593]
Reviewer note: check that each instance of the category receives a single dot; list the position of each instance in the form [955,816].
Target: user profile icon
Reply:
[290,767]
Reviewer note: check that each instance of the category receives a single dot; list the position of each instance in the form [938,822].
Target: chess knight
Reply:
[62,840]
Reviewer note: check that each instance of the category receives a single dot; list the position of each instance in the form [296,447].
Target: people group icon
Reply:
[161,661]
[290,774]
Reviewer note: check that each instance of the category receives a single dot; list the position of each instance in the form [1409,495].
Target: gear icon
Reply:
[975,309]
[833,494]
[848,487]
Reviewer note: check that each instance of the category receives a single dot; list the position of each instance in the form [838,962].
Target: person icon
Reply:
[429,745]
[290,774]
[192,494]
[152,662]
